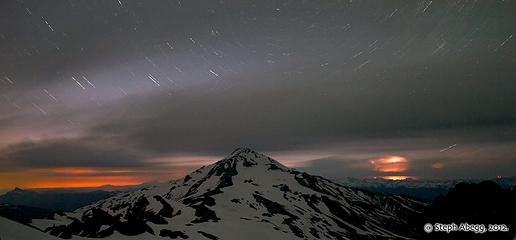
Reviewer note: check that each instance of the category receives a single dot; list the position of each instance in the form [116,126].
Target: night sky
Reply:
[125,92]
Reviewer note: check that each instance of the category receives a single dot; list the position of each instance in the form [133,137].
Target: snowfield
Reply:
[10,230]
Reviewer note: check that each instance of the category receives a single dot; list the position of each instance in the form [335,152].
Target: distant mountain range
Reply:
[422,189]
[107,188]
[55,200]
[23,205]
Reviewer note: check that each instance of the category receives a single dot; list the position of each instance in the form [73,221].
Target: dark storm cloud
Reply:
[285,119]
[339,168]
[204,77]
[58,153]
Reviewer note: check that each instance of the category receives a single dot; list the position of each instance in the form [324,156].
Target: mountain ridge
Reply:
[53,200]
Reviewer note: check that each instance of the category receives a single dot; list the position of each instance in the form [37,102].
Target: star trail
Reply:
[129,91]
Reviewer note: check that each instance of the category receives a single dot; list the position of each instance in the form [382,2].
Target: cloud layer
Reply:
[113,86]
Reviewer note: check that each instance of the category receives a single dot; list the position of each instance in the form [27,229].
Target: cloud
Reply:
[421,158]
[64,152]
[286,82]
[280,119]
[437,165]
[338,168]
[88,161]
[390,164]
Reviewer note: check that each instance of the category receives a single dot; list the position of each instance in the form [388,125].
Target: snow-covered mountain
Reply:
[246,195]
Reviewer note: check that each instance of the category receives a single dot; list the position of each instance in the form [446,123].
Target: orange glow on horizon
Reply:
[87,177]
[85,181]
[397,178]
[71,178]
[83,184]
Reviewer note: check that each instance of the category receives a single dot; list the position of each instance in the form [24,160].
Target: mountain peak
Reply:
[248,157]
[242,151]
[19,190]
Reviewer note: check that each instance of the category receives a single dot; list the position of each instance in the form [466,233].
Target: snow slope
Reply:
[10,230]
[247,195]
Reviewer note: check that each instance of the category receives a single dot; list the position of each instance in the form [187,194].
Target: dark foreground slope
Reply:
[474,203]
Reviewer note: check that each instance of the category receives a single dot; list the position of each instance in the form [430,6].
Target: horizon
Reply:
[389,178]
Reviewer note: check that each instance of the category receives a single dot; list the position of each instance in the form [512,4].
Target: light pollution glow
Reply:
[82,182]
[398,178]
[391,164]
[69,178]
[86,177]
